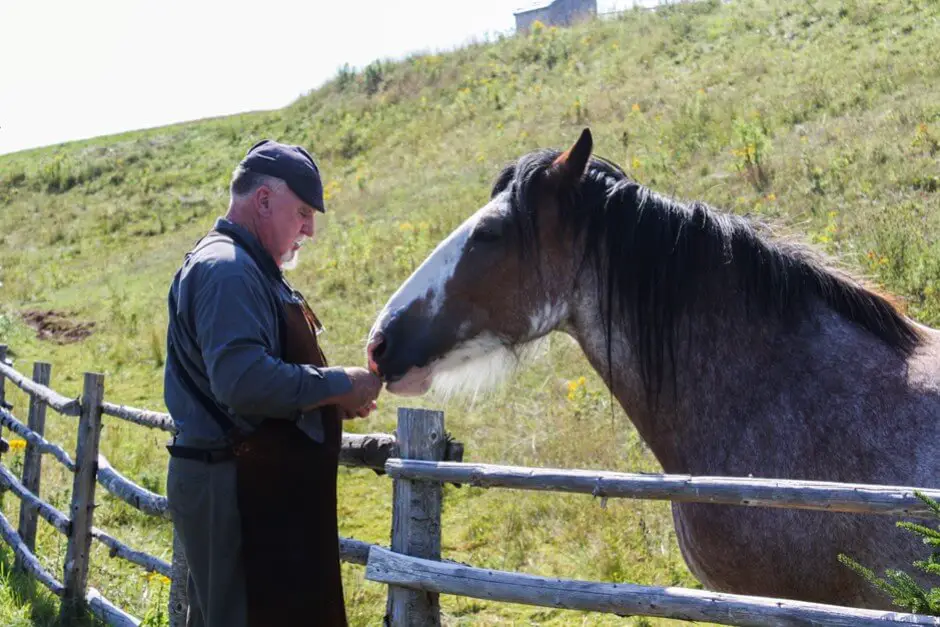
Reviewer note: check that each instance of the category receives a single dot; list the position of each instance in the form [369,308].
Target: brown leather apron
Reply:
[287,501]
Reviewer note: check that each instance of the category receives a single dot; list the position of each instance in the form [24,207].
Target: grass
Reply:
[822,115]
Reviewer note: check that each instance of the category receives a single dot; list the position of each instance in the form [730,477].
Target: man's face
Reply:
[290,222]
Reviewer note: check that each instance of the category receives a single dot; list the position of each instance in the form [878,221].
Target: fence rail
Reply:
[438,577]
[783,493]
[419,461]
[63,405]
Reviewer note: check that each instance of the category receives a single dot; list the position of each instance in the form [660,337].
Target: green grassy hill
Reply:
[823,115]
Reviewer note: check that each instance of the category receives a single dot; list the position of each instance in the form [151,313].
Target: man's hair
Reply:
[245,182]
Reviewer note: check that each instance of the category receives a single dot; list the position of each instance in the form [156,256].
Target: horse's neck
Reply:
[740,386]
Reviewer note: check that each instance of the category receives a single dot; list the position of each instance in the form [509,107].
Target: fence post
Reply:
[416,515]
[179,575]
[3,357]
[32,461]
[83,500]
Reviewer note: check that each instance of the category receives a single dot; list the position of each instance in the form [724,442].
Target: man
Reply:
[252,472]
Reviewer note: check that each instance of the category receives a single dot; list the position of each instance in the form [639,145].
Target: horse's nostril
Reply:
[378,346]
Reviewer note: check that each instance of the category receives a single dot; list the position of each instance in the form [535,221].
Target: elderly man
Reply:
[252,472]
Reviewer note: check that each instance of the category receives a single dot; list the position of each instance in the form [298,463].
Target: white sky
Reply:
[73,69]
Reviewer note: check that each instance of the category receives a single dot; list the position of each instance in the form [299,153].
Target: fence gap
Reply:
[32,461]
[83,500]
[416,515]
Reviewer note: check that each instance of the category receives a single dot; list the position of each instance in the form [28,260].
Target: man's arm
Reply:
[235,322]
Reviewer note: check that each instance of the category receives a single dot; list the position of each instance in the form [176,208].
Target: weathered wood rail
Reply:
[622,599]
[419,461]
[783,493]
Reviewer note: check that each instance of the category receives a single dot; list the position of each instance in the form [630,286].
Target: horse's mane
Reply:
[659,256]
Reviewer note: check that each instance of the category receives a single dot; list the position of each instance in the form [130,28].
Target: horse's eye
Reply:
[487,234]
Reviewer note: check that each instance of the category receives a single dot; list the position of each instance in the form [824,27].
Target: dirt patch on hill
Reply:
[57,326]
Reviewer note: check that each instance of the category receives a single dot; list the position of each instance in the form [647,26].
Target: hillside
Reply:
[822,115]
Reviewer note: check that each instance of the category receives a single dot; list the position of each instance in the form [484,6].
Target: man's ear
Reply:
[262,197]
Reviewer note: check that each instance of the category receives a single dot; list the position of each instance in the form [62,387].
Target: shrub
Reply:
[903,589]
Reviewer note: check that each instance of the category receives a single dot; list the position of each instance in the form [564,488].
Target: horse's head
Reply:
[497,283]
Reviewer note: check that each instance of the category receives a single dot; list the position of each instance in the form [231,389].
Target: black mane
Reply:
[658,256]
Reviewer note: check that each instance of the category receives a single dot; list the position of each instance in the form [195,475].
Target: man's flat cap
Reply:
[292,164]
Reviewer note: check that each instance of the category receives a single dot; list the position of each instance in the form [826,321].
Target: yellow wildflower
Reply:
[636,107]
[17,445]
[405,226]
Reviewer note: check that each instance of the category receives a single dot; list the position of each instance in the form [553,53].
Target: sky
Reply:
[73,70]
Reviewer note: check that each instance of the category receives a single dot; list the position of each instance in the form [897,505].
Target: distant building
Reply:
[554,13]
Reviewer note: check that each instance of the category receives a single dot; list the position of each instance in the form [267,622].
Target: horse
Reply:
[734,351]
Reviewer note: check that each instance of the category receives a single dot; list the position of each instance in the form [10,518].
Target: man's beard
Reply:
[292,256]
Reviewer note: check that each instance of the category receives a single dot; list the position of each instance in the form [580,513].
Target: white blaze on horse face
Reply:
[428,282]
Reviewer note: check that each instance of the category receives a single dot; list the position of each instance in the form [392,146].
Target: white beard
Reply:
[291,257]
[289,260]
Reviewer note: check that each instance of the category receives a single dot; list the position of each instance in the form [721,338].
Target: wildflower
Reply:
[157,578]
[573,387]
[771,197]
[405,226]
[17,445]
[636,107]
[635,163]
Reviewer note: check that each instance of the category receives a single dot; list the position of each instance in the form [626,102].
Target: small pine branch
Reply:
[901,587]
[934,506]
[931,536]
[867,574]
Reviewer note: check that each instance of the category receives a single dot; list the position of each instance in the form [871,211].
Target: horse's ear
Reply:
[571,164]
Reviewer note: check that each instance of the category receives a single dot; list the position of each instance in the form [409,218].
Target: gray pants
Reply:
[204,508]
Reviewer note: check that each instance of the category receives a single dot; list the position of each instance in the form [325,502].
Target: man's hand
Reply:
[360,400]
[362,412]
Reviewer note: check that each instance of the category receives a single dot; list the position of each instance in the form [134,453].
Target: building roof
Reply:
[532,5]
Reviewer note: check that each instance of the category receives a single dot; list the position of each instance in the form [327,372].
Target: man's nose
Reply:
[308,228]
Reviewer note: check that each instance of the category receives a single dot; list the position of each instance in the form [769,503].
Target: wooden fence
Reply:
[420,458]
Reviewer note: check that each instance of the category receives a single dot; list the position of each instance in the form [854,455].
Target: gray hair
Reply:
[245,182]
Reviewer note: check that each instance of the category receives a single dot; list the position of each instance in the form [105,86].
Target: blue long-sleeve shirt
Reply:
[224,331]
